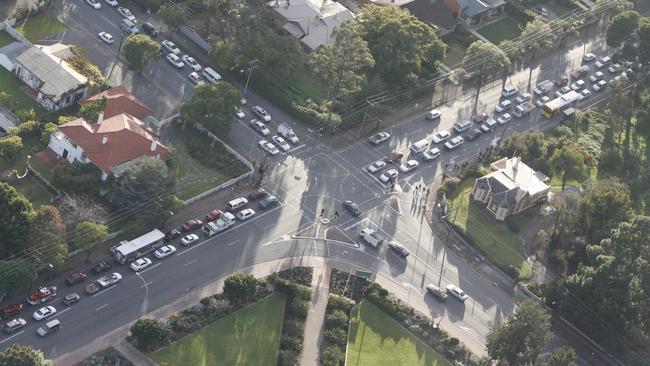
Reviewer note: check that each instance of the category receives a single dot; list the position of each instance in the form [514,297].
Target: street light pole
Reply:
[117,55]
[252,64]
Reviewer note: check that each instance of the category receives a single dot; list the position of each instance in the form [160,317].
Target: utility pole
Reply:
[252,64]
[365,114]
[117,55]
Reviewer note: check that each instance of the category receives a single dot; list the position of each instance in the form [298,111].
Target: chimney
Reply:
[100,118]
[154,145]
[104,139]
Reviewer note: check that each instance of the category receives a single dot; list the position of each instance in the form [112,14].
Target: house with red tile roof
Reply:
[119,100]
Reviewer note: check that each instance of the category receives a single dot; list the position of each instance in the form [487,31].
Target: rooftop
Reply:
[119,100]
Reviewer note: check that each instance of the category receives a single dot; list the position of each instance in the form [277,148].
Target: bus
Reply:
[130,250]
[557,105]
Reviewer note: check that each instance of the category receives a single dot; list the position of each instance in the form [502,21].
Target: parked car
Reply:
[281,143]
[440,136]
[10,311]
[561,81]
[577,74]
[239,113]
[44,312]
[584,94]
[509,91]
[213,215]
[523,98]
[261,113]
[257,194]
[542,100]
[378,138]
[171,47]
[191,62]
[111,2]
[269,147]
[260,127]
[195,78]
[563,90]
[94,3]
[268,202]
[125,13]
[175,60]
[140,264]
[99,267]
[172,234]
[70,299]
[14,325]
[473,134]
[599,85]
[579,84]
[615,68]
[457,292]
[489,125]
[597,76]
[75,278]
[504,118]
[106,37]
[454,142]
[388,175]
[588,57]
[503,105]
[192,224]
[437,292]
[409,166]
[245,214]
[433,114]
[376,166]
[604,61]
[189,239]
[352,208]
[150,29]
[394,157]
[431,154]
[480,118]
[164,251]
[399,249]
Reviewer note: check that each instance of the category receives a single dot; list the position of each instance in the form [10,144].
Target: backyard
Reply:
[248,337]
[457,43]
[36,192]
[41,27]
[501,30]
[17,99]
[377,339]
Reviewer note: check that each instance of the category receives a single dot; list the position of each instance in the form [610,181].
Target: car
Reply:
[523,98]
[268,202]
[75,278]
[14,325]
[454,142]
[164,251]
[433,114]
[191,224]
[578,85]
[100,267]
[388,175]
[172,234]
[604,61]
[150,29]
[191,62]
[111,2]
[106,37]
[509,91]
[239,113]
[394,157]
[456,292]
[584,94]
[236,204]
[50,327]
[480,118]
[125,13]
[189,239]
[588,57]
[376,166]
[257,194]
[261,113]
[599,85]
[615,68]
[70,299]
[94,3]
[171,47]
[378,138]
[473,134]
[437,292]
[281,143]
[140,264]
[597,76]
[431,154]
[10,311]
[542,100]
[175,60]
[44,312]
[213,215]
[440,136]
[399,249]
[409,166]
[352,208]
[260,127]
[561,81]
[502,106]
[577,74]
[563,90]
[269,147]
[245,214]
[504,118]
[195,78]
[489,125]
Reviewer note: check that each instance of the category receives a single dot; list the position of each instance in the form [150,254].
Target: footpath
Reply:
[320,283]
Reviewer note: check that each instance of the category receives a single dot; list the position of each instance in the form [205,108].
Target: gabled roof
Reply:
[119,100]
[114,141]
[511,179]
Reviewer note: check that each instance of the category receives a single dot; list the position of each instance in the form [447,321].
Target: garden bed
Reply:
[293,324]
[348,285]
[335,330]
[107,357]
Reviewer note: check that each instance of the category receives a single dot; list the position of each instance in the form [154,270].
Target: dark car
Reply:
[394,157]
[75,278]
[172,234]
[257,194]
[352,207]
[268,202]
[71,299]
[473,134]
[99,267]
[150,29]
[399,248]
[11,311]
[480,118]
[192,224]
[561,81]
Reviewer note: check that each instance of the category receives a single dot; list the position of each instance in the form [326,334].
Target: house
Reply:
[473,12]
[510,188]
[119,100]
[312,21]
[110,144]
[11,50]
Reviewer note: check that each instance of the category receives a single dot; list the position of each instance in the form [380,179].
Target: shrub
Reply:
[332,356]
[336,336]
[291,343]
[210,153]
[293,327]
[26,129]
[148,333]
[336,302]
[10,147]
[298,275]
[287,357]
[337,318]
[298,309]
[76,177]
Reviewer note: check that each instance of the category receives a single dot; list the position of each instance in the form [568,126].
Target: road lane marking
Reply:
[104,290]
[15,335]
[233,242]
[60,312]
[101,307]
[152,267]
[268,226]
[190,262]
[146,284]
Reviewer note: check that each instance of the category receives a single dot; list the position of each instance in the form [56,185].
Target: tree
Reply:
[173,16]
[10,147]
[148,333]
[529,146]
[212,106]
[603,205]
[15,214]
[400,42]
[239,288]
[90,111]
[643,33]
[46,236]
[562,356]
[87,235]
[342,63]
[484,60]
[46,131]
[569,161]
[138,50]
[76,177]
[16,276]
[17,355]
[143,188]
[622,28]
[332,356]
[533,42]
[519,339]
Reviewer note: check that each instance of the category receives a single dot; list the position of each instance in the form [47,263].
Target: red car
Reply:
[394,157]
[437,292]
[190,225]
[42,295]
[75,278]
[480,118]
[257,194]
[562,81]
[11,311]
[214,215]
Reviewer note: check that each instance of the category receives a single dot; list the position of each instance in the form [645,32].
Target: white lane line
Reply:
[146,284]
[268,226]
[60,312]
[233,242]
[190,262]
[101,307]
[15,335]
[355,224]
[152,267]
[102,291]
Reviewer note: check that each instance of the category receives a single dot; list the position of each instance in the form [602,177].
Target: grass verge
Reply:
[377,339]
[500,30]
[247,337]
[41,27]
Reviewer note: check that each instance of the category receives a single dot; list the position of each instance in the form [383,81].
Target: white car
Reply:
[563,90]
[175,60]
[541,101]
[189,239]
[588,57]
[584,94]
[502,106]
[509,91]
[94,3]
[388,175]
[433,114]
[454,142]
[604,61]
[262,113]
[597,76]
[269,147]
[44,312]
[245,214]
[170,46]
[376,166]
[126,13]
[380,137]
[191,63]
[456,292]
[600,85]
[523,98]
[239,113]
[260,127]
[615,68]
[441,136]
[140,264]
[106,37]
[431,154]
[578,85]
[409,166]
[488,125]
[504,118]
[164,251]
[111,2]
[281,143]
[195,78]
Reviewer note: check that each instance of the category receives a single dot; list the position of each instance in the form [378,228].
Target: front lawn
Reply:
[10,84]
[41,27]
[248,337]
[501,30]
[377,339]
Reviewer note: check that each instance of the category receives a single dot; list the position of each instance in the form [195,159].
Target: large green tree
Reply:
[239,288]
[483,60]
[15,214]
[148,333]
[46,236]
[173,16]
[562,356]
[569,162]
[10,146]
[603,205]
[16,276]
[17,355]
[399,42]
[212,106]
[88,235]
[138,49]
[622,28]
[643,33]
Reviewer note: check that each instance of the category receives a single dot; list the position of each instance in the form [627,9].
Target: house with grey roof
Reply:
[10,51]
[473,12]
[510,188]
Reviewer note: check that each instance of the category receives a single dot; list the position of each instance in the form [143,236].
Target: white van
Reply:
[462,126]
[419,146]
[210,75]
[237,203]
[50,327]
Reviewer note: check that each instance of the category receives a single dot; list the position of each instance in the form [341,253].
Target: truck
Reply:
[523,109]
[103,282]
[221,224]
[287,132]
[371,237]
[42,295]
[543,87]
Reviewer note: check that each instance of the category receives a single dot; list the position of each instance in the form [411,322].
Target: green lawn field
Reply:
[248,337]
[377,339]
[41,27]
